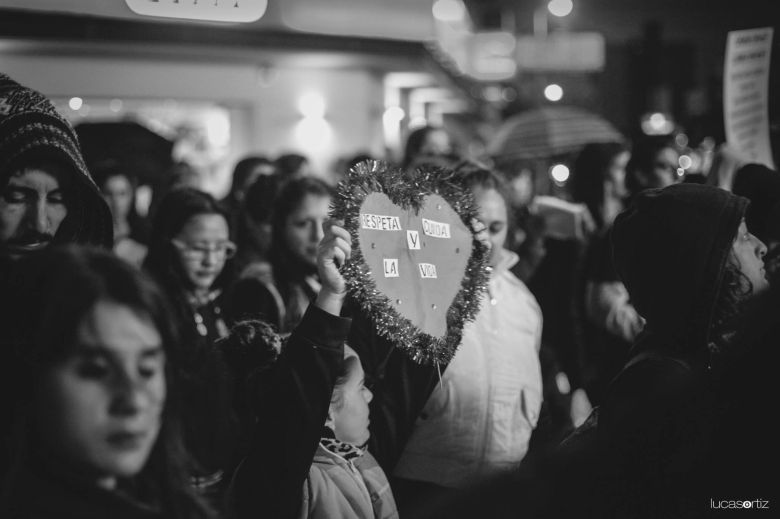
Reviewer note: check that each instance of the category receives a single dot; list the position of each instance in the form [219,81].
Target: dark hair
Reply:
[249,351]
[175,209]
[44,332]
[642,162]
[243,171]
[591,171]
[256,208]
[289,164]
[415,142]
[288,200]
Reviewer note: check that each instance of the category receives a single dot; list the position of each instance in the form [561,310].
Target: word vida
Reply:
[759,504]
[390,269]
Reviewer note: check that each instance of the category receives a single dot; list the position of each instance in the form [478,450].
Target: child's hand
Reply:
[334,249]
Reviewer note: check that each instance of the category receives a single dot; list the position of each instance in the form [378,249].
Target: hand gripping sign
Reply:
[416,267]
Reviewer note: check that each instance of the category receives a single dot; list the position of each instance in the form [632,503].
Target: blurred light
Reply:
[681,140]
[492,94]
[394,114]
[559,173]
[218,129]
[560,8]
[418,122]
[312,105]
[509,94]
[553,92]
[448,10]
[657,123]
[115,105]
[75,103]
[680,172]
[313,133]
[685,161]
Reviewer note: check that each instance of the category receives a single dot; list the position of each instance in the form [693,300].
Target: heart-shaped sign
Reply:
[416,267]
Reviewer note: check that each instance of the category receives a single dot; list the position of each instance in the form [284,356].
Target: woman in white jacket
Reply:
[478,421]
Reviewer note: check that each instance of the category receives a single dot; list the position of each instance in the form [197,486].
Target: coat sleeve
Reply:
[400,386]
[291,413]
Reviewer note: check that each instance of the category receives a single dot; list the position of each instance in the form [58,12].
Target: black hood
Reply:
[670,249]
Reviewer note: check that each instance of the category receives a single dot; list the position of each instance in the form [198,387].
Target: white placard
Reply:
[413,240]
[436,229]
[427,270]
[378,222]
[390,267]
[746,94]
[208,10]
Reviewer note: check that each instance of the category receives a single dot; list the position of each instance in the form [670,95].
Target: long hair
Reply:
[291,195]
[55,291]
[591,171]
[162,261]
[242,172]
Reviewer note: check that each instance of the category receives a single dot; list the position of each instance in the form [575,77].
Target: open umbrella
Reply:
[548,131]
[144,152]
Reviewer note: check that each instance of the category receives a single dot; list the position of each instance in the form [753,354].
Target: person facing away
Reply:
[245,173]
[46,193]
[296,226]
[428,144]
[131,231]
[90,389]
[689,264]
[478,421]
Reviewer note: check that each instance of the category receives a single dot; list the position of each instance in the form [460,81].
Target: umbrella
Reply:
[144,152]
[548,131]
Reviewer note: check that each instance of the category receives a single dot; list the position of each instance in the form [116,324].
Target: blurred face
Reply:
[32,207]
[749,252]
[203,246]
[664,172]
[437,142]
[350,416]
[303,227]
[616,175]
[493,213]
[118,193]
[100,409]
[522,188]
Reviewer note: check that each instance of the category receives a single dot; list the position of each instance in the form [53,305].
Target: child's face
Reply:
[350,417]
[100,409]
[204,246]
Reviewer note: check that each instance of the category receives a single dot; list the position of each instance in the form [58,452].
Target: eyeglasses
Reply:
[198,251]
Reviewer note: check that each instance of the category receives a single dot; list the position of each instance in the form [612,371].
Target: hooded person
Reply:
[47,194]
[689,264]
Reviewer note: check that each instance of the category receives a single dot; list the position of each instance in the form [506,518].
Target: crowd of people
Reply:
[208,361]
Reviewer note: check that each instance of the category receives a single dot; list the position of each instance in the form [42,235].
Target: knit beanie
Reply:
[31,130]
[761,186]
[670,249]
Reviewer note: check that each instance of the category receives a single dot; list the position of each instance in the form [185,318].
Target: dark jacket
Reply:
[655,423]
[291,412]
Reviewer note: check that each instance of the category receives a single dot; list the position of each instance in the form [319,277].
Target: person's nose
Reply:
[38,217]
[317,232]
[129,396]
[210,258]
[760,247]
[369,396]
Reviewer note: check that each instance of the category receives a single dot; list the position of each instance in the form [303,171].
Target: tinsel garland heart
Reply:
[417,221]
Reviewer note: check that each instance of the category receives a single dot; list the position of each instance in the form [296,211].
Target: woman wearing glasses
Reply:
[189,254]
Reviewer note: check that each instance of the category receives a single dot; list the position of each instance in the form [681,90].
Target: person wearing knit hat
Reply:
[689,264]
[46,193]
